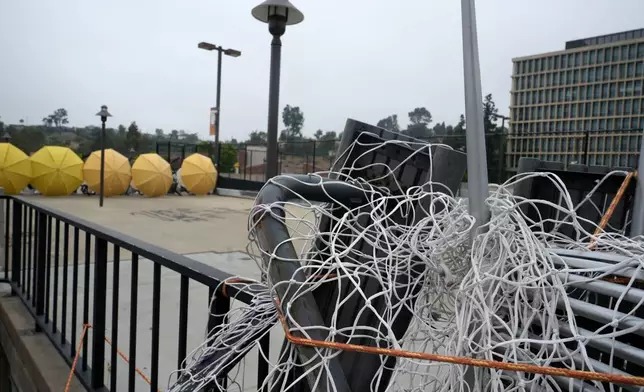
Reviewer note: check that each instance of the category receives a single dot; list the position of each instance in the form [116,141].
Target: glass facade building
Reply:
[588,97]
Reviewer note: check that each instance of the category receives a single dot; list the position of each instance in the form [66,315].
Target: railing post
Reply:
[157,148]
[315,142]
[219,308]
[41,264]
[98,324]
[16,242]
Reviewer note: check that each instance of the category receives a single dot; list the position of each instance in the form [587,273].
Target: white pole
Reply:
[637,223]
[475,134]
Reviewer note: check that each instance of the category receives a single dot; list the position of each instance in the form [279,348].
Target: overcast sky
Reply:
[364,59]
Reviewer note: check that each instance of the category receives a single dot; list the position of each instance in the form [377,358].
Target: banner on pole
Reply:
[213,116]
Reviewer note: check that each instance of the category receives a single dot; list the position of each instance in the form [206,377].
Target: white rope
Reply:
[494,299]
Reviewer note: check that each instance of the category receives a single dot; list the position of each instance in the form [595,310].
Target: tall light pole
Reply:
[104,114]
[227,52]
[278,14]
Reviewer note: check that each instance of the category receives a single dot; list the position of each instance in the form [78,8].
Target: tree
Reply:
[159,133]
[420,116]
[121,131]
[133,137]
[293,119]
[228,158]
[318,134]
[489,113]
[419,119]
[57,118]
[460,127]
[390,123]
[257,137]
[326,143]
[174,134]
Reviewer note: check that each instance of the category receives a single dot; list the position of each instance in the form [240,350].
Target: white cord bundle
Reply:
[502,296]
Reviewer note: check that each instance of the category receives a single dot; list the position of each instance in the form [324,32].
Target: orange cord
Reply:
[80,346]
[611,208]
[484,363]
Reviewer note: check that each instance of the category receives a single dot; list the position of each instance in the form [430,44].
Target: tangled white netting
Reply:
[400,271]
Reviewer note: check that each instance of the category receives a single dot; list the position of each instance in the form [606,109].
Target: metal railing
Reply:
[51,259]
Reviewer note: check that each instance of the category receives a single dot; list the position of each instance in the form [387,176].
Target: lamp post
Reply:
[104,114]
[278,14]
[227,52]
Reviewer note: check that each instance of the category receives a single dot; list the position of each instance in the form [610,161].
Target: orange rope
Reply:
[78,350]
[80,346]
[611,209]
[545,370]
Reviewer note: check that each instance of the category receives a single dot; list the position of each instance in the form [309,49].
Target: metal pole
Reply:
[273,108]
[637,224]
[218,104]
[100,200]
[475,130]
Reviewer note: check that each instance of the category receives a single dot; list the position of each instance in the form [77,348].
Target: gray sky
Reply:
[364,59]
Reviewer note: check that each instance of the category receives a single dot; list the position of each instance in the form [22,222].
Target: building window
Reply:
[595,109]
[605,90]
[571,60]
[636,107]
[627,107]
[573,110]
[639,69]
[584,75]
[632,52]
[556,79]
[613,90]
[582,93]
[630,70]
[629,89]
[591,75]
[575,93]
[577,59]
[586,58]
[593,57]
[621,89]
[568,94]
[620,108]
[624,55]
[564,61]
[596,93]
[638,88]
[626,123]
[607,55]
[560,95]
[611,108]
[587,111]
[600,56]
[613,71]
[615,54]
[622,71]
[602,124]
[604,108]
[593,126]
[606,72]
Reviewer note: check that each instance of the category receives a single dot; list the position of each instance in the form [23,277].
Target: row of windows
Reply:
[570,60]
[581,93]
[610,160]
[597,144]
[580,125]
[625,107]
[586,75]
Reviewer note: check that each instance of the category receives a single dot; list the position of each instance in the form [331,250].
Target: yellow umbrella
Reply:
[15,169]
[57,171]
[198,174]
[118,173]
[151,175]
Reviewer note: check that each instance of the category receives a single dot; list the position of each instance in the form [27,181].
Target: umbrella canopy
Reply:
[15,169]
[198,174]
[118,172]
[151,175]
[57,171]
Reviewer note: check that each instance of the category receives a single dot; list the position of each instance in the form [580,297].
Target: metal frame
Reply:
[25,218]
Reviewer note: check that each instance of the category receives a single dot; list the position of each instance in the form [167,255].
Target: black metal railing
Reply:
[45,251]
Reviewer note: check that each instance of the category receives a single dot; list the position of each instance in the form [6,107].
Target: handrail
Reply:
[195,270]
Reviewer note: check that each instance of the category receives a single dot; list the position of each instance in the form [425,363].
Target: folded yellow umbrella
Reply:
[118,172]
[57,171]
[198,174]
[151,175]
[15,169]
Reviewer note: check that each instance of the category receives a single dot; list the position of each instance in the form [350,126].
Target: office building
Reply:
[579,105]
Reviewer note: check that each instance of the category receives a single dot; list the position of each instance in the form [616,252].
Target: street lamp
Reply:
[278,14]
[104,114]
[227,52]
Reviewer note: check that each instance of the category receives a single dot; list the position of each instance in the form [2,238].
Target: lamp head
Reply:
[278,14]
[104,114]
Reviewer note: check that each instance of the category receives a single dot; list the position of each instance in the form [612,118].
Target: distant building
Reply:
[594,85]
